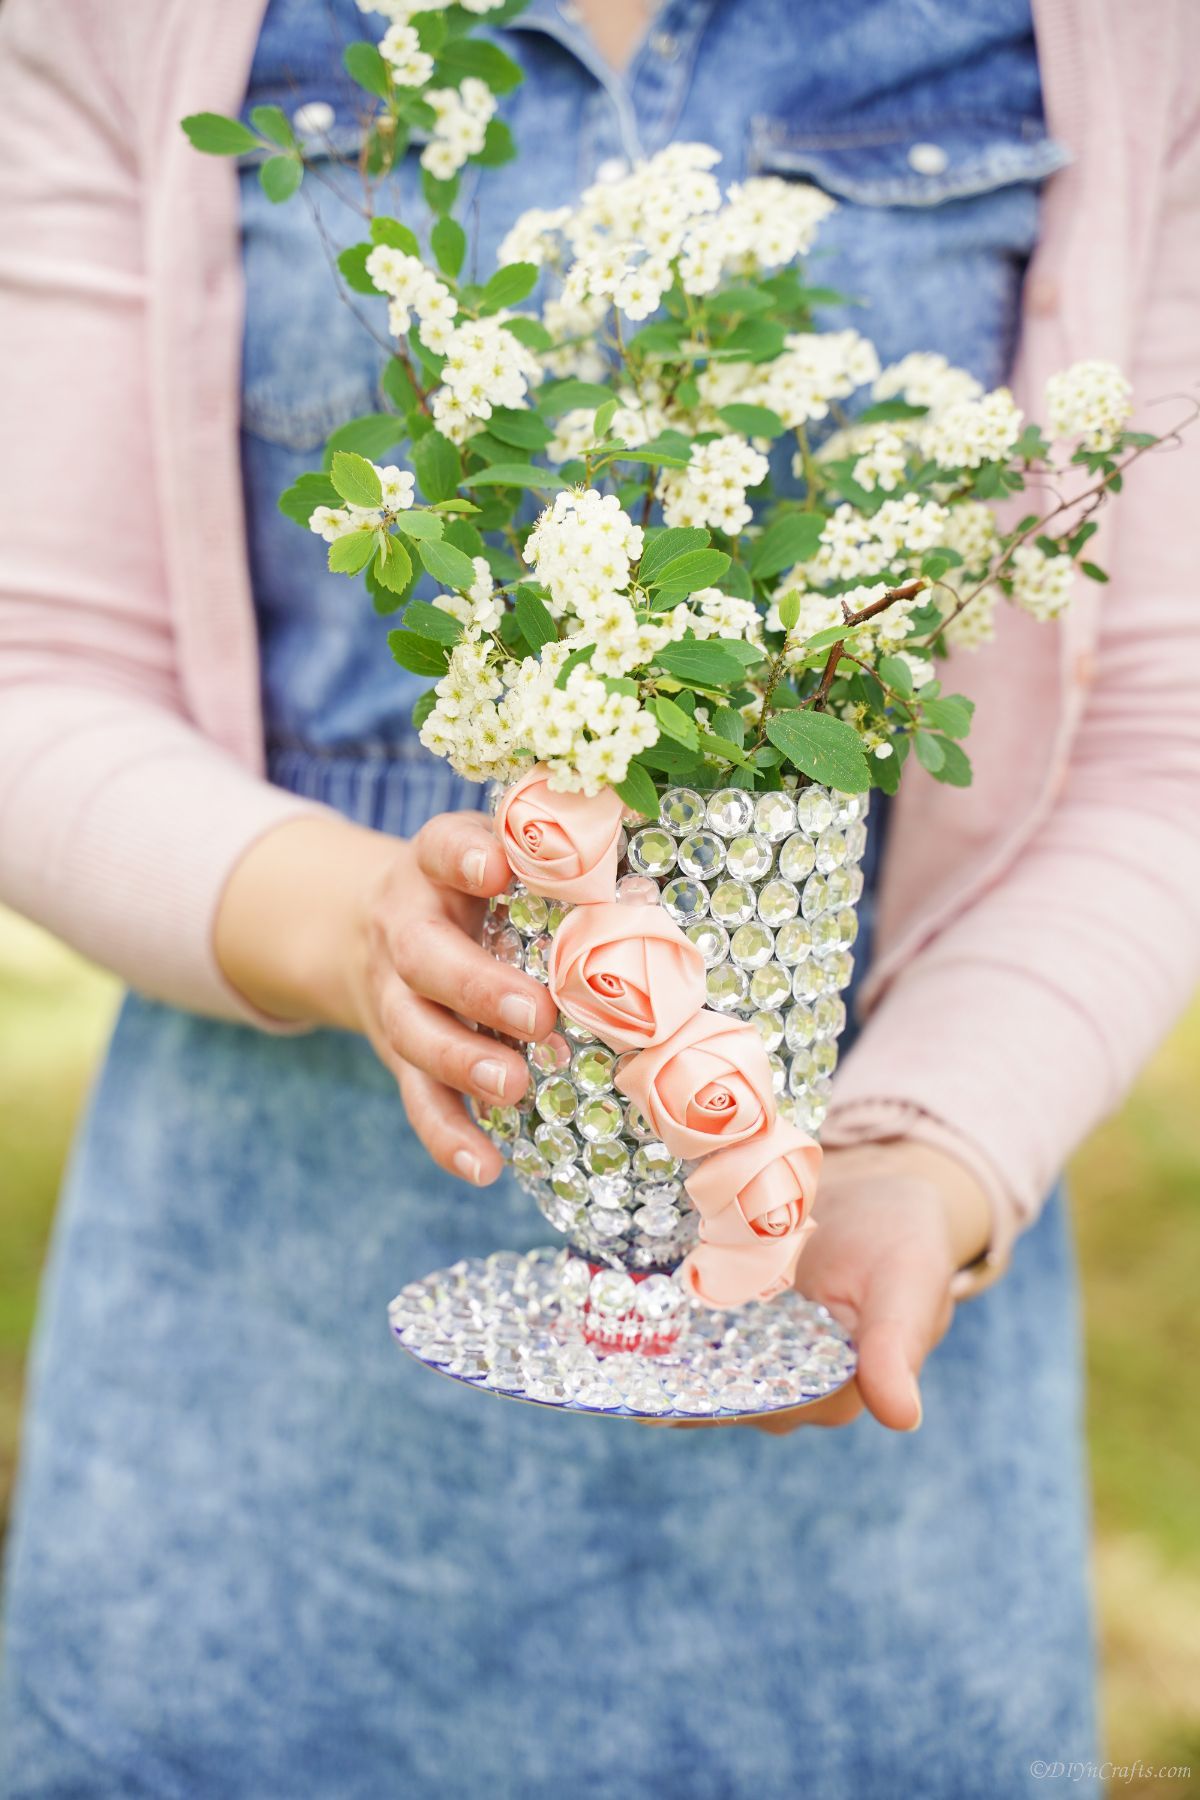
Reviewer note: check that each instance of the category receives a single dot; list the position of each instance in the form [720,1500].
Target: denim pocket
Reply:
[915,165]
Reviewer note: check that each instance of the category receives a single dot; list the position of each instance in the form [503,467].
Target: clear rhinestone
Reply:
[550,1056]
[638,1125]
[831,850]
[578,1034]
[592,1069]
[730,811]
[824,1056]
[814,810]
[501,1122]
[797,858]
[569,1183]
[658,1220]
[751,946]
[830,1015]
[681,810]
[574,1280]
[610,1190]
[808,981]
[528,912]
[505,945]
[774,815]
[837,970]
[605,1156]
[612,1292]
[556,1100]
[637,890]
[770,986]
[711,939]
[654,1162]
[658,1297]
[686,900]
[839,887]
[702,854]
[800,1072]
[732,902]
[793,941]
[749,857]
[800,1028]
[601,1117]
[652,851]
[608,1222]
[813,901]
[778,901]
[856,840]
[528,1161]
[537,956]
[769,1025]
[728,987]
[556,1143]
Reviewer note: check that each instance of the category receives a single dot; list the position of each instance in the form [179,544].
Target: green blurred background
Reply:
[1135,1188]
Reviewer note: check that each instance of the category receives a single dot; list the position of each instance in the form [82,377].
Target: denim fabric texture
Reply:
[258,1553]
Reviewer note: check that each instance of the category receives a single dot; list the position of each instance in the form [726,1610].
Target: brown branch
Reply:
[908,591]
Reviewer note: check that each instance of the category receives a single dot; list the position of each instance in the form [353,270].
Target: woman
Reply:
[254,1553]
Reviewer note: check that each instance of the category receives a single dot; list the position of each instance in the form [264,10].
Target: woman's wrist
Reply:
[290,933]
[965,1205]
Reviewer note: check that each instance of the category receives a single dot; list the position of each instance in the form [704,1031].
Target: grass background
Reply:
[1135,1190]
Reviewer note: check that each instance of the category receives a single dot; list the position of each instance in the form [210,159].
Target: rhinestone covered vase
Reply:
[766,887]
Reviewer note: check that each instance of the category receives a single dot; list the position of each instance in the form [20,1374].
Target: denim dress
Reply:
[257,1552]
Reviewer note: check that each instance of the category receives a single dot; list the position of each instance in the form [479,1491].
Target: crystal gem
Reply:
[727,987]
[732,902]
[686,900]
[637,890]
[658,1220]
[774,816]
[831,850]
[550,1055]
[592,1069]
[814,810]
[555,1100]
[556,1143]
[797,858]
[749,857]
[611,1291]
[793,941]
[730,811]
[778,901]
[770,985]
[681,809]
[711,939]
[654,1162]
[769,1025]
[607,1221]
[652,851]
[601,1117]
[751,946]
[702,854]
[528,912]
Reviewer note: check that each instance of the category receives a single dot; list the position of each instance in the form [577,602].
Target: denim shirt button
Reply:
[611,169]
[928,159]
[314,117]
[664,44]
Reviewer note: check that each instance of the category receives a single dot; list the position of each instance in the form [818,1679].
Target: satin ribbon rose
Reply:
[626,973]
[753,1202]
[561,845]
[706,1087]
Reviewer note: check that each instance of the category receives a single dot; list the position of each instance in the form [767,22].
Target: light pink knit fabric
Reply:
[1038,932]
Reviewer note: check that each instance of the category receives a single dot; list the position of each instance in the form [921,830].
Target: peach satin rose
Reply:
[753,1201]
[561,845]
[705,1088]
[626,973]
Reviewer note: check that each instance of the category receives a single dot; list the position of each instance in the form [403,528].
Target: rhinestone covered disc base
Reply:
[514,1325]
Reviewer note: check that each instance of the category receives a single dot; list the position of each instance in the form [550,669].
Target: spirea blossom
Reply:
[403,10]
[975,431]
[1091,401]
[1042,584]
[412,288]
[461,118]
[712,489]
[401,49]
[582,549]
[485,366]
[333,522]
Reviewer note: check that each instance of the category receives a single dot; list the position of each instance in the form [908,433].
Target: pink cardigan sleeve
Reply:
[1025,1021]
[119,822]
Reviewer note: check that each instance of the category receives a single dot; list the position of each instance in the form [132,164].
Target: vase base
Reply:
[515,1325]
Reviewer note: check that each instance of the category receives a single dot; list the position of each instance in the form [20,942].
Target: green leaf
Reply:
[884,411]
[886,771]
[439,195]
[951,714]
[791,539]
[498,146]
[934,563]
[349,554]
[639,792]
[518,475]
[424,703]
[665,544]
[604,418]
[449,243]
[752,421]
[675,722]
[956,764]
[273,123]
[754,340]
[823,747]
[929,751]
[393,568]
[432,622]
[1093,571]
[421,656]
[694,569]
[530,332]
[712,745]
[306,493]
[421,526]
[352,266]
[364,65]
[570,396]
[534,620]
[730,725]
[704,662]
[515,281]
[576,660]
[373,436]
[355,479]
[218,136]
[748,655]
[446,564]
[473,56]
[438,466]
[396,236]
[898,675]
[397,384]
[519,426]
[789,609]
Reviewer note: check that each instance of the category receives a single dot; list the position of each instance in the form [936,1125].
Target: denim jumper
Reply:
[257,1552]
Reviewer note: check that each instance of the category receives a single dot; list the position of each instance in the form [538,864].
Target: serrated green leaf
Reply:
[398,386]
[446,564]
[729,724]
[216,135]
[576,660]
[663,545]
[352,267]
[473,56]
[703,662]
[520,427]
[355,479]
[432,622]
[789,609]
[421,656]
[693,569]
[713,745]
[675,722]
[534,619]
[439,195]
[514,475]
[752,421]
[420,525]
[371,436]
[449,243]
[455,505]
[825,748]
[897,674]
[395,234]
[393,567]
[530,332]
[570,396]
[955,770]
[950,714]
[306,493]
[790,540]
[639,792]
[929,750]
[437,465]
[273,123]
[498,146]
[515,281]
[349,554]
[364,65]
[279,177]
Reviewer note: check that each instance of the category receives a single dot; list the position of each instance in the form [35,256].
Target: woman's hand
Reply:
[894,1223]
[324,922]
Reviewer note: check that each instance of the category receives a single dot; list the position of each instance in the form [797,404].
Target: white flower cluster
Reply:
[465,725]
[883,463]
[412,288]
[712,489]
[582,549]
[535,237]
[485,366]
[813,369]
[971,432]
[854,547]
[1091,401]
[971,530]
[400,48]
[926,378]
[403,10]
[478,610]
[461,118]
[1042,585]
[333,522]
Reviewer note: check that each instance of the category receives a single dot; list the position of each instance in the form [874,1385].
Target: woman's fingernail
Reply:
[468,1166]
[518,1011]
[474,867]
[916,1394]
[489,1075]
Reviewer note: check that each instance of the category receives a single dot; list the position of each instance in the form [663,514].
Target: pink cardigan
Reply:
[1038,932]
